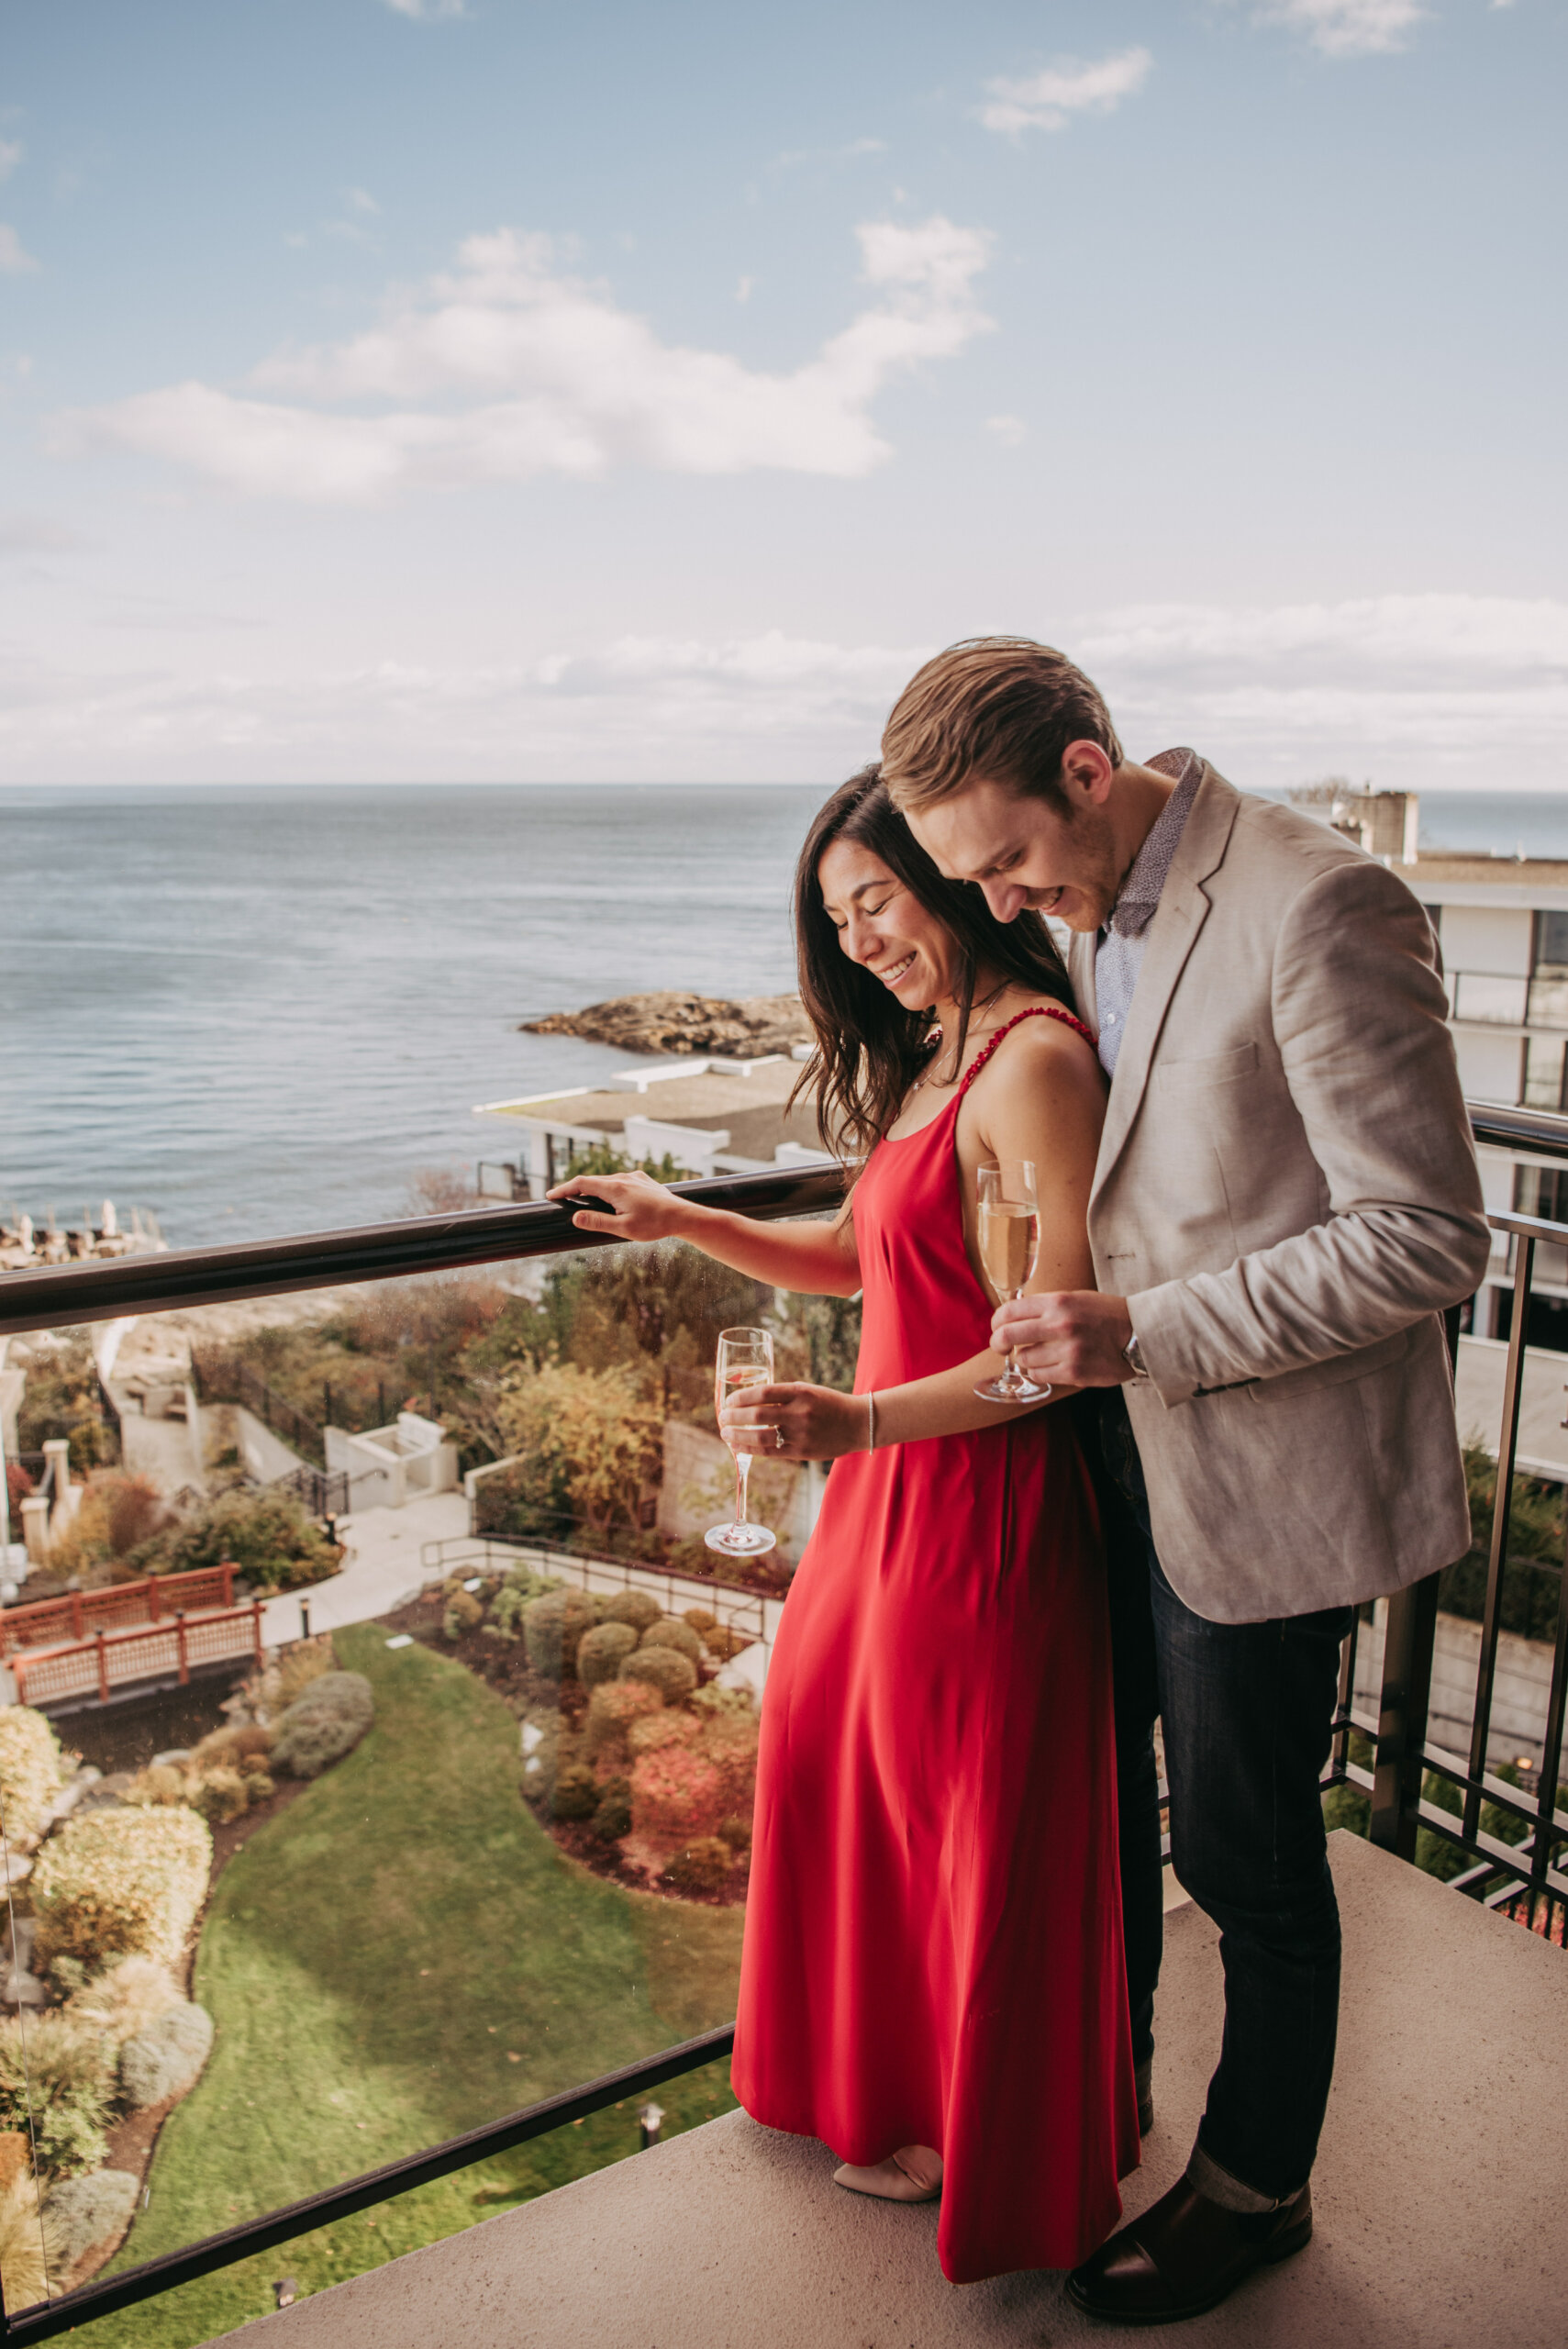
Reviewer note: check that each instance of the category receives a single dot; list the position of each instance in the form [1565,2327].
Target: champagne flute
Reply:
[745,1359]
[1009,1251]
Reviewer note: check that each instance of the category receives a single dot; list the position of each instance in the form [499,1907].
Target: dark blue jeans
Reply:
[1246,1709]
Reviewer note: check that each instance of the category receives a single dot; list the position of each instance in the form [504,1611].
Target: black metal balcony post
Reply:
[1409,1640]
[1502,1511]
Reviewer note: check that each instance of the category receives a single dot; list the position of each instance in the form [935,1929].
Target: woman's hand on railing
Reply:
[794,1421]
[643,1210]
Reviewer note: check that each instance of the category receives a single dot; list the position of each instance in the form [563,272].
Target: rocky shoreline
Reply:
[671,1022]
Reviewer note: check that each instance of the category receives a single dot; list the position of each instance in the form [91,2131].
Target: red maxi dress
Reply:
[933,1948]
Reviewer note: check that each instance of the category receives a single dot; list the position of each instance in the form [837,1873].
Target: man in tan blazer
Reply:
[1285,1201]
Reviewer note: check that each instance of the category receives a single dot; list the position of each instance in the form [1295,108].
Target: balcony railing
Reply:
[1510,999]
[1395,1767]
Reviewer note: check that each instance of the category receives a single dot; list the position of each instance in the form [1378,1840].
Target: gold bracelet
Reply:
[871,1423]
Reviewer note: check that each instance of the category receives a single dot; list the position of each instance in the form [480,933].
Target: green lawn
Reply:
[398,1956]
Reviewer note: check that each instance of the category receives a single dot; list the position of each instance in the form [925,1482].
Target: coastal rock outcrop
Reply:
[670,1021]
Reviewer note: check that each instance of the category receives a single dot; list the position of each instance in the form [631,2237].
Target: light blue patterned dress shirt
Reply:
[1118,953]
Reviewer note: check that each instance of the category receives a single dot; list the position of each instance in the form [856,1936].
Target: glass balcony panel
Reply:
[1548,1001]
[1482,995]
[441,1807]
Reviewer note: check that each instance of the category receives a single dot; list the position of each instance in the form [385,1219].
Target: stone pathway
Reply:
[382,1569]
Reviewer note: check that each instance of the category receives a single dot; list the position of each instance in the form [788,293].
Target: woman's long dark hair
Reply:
[869,1049]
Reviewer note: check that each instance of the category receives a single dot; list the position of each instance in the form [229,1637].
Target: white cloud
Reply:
[425,11]
[360,199]
[13,259]
[1010,430]
[11,154]
[1048,101]
[508,367]
[1412,690]
[1347,27]
[22,533]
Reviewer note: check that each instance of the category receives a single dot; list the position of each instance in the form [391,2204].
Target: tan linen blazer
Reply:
[1288,1196]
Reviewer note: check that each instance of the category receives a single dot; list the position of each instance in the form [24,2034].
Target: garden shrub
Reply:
[326,1723]
[306,1661]
[662,1729]
[89,2209]
[676,1795]
[613,1708]
[701,1621]
[120,1883]
[668,1631]
[32,2253]
[517,1593]
[613,1818]
[218,1795]
[161,1782]
[241,1747]
[166,2058]
[602,1651]
[714,1702]
[125,1999]
[674,1675]
[552,1625]
[267,1534]
[723,1642]
[55,2077]
[638,1607]
[466,1612]
[576,1794]
[30,1771]
[729,1743]
[736,1832]
[702,1866]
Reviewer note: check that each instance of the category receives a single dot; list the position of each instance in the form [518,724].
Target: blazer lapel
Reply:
[1173,933]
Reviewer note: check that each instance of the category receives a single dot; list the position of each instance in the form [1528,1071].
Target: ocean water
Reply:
[264,1011]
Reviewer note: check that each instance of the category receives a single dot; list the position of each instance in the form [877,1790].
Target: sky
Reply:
[587,390]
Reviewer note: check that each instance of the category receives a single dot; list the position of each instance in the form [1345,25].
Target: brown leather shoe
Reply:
[1184,2255]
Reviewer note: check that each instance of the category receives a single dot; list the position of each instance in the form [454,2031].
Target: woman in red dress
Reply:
[933,1981]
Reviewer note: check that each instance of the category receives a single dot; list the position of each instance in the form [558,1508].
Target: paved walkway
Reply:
[381,1571]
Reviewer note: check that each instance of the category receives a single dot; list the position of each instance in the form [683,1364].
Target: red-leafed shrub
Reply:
[729,1743]
[675,1796]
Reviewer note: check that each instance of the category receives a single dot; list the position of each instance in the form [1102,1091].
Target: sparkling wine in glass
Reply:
[1009,1251]
[745,1359]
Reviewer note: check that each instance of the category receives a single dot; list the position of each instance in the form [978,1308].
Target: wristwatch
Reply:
[1132,1354]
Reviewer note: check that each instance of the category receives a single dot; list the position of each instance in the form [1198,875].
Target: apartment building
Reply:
[1502,923]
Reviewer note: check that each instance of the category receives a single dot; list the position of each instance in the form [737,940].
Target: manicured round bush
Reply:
[242,1749]
[159,1783]
[56,2079]
[729,1743]
[614,1705]
[29,1770]
[121,1882]
[466,1610]
[638,1607]
[702,1866]
[327,1722]
[701,1621]
[613,1818]
[724,1643]
[674,1675]
[675,1796]
[552,1625]
[662,1729]
[670,1632]
[89,2209]
[602,1651]
[166,2058]
[576,1792]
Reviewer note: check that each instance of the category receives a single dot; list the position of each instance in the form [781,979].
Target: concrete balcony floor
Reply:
[1440,2191]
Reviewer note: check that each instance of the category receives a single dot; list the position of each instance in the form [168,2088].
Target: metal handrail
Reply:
[373,1252]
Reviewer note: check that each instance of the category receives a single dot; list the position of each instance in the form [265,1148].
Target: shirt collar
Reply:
[1139,895]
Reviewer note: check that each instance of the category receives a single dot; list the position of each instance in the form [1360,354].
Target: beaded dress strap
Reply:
[1035,1011]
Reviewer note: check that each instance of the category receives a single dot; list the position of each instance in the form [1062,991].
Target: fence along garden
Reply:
[1524,1876]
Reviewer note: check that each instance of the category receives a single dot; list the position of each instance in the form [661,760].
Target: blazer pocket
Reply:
[1337,1372]
[1215,1068]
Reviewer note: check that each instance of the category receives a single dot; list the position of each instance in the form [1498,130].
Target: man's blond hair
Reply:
[1001,707]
